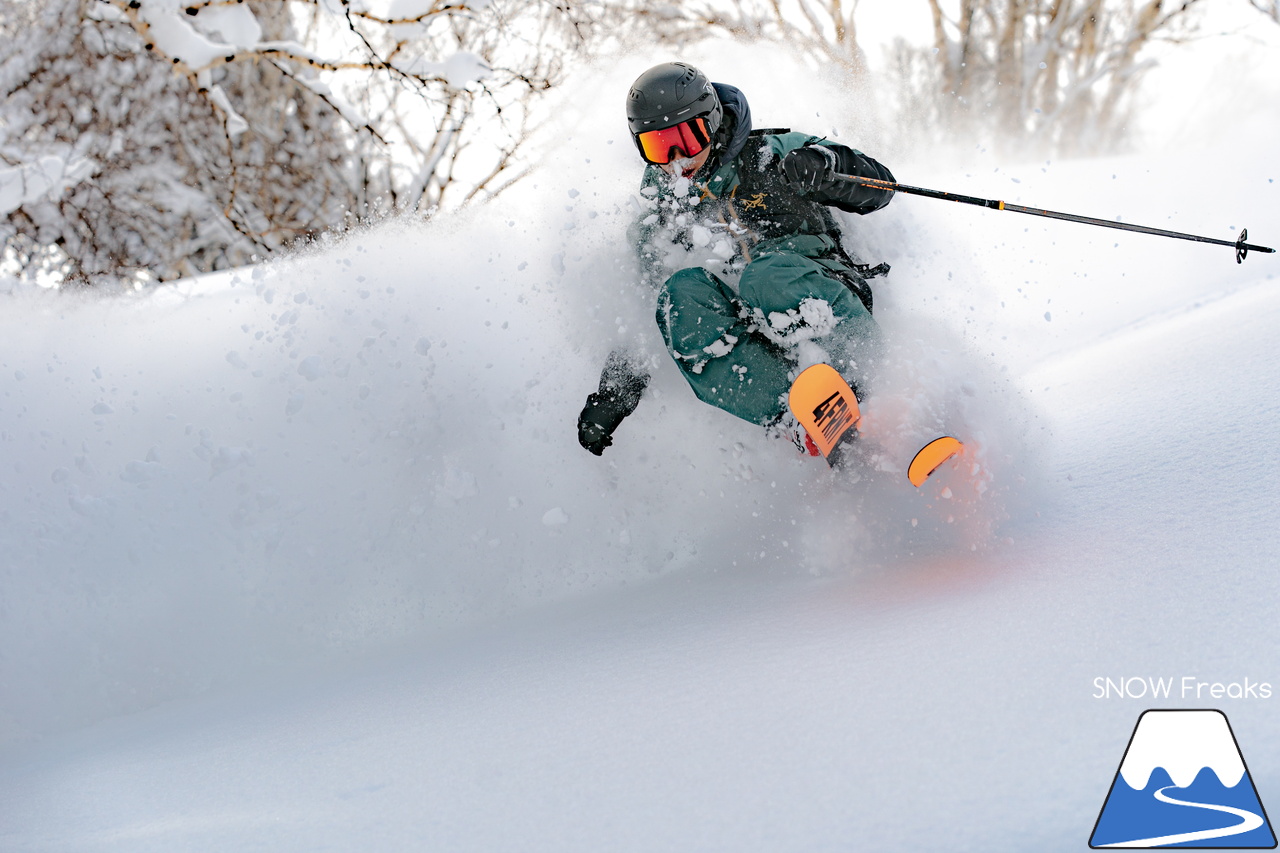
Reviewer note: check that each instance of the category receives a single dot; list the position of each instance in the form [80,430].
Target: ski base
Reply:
[931,457]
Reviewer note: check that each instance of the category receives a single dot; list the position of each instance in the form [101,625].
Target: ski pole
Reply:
[1242,248]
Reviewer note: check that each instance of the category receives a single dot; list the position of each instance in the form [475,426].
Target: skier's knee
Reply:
[697,314]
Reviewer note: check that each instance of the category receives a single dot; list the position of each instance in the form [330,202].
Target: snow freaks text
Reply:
[1186,687]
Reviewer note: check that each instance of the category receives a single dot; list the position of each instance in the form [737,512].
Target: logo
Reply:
[1183,782]
[833,417]
[754,202]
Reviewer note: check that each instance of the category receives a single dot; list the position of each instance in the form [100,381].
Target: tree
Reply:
[823,29]
[141,140]
[1270,8]
[1055,76]
[1050,75]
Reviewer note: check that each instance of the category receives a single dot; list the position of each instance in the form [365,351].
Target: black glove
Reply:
[599,418]
[621,385]
[810,169]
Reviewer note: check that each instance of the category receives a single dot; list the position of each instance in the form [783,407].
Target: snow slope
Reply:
[307,557]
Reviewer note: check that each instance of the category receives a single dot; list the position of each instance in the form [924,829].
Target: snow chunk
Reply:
[312,368]
[779,321]
[90,506]
[555,517]
[720,347]
[813,319]
[454,486]
[139,472]
[817,315]
[227,458]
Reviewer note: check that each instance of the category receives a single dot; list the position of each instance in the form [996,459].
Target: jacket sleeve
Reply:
[645,232]
[851,197]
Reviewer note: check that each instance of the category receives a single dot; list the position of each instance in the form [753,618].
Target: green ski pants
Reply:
[712,333]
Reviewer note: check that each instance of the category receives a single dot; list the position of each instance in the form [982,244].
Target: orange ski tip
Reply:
[930,457]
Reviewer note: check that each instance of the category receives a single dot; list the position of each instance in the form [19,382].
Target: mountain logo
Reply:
[1183,783]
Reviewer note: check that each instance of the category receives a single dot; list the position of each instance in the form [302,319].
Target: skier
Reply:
[723,204]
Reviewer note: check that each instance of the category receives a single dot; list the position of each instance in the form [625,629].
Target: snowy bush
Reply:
[144,139]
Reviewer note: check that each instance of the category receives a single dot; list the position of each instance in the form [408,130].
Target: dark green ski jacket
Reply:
[738,206]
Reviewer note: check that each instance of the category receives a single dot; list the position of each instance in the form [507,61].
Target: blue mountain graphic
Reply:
[1131,814]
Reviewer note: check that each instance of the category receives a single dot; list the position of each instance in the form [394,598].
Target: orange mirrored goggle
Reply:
[688,138]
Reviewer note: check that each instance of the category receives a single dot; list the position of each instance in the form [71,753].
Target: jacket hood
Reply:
[736,125]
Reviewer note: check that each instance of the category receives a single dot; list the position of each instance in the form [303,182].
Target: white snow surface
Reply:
[307,557]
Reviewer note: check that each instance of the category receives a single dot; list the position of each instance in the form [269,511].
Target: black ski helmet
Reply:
[668,94]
